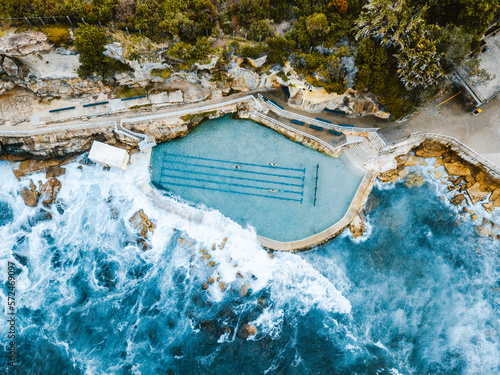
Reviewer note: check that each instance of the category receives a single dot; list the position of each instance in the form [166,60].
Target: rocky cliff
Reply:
[35,75]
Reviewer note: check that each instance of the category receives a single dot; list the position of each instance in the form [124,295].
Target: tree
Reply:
[317,26]
[377,72]
[397,25]
[279,49]
[90,42]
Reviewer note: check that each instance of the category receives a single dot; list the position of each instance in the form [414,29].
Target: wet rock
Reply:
[49,191]
[436,173]
[483,231]
[473,216]
[222,286]
[141,223]
[414,160]
[55,171]
[477,193]
[389,176]
[271,255]
[211,264]
[459,180]
[30,197]
[207,256]
[439,162]
[205,286]
[239,275]
[457,169]
[403,173]
[495,195]
[357,227]
[431,149]
[401,160]
[144,246]
[211,280]
[40,216]
[458,199]
[223,243]
[488,206]
[213,247]
[246,331]
[414,180]
[244,290]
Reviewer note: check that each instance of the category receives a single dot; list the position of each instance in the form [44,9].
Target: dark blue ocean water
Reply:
[419,295]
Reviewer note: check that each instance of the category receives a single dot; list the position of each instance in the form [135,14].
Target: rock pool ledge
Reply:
[356,205]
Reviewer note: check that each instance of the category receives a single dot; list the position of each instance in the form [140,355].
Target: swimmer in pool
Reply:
[237,166]
[273,164]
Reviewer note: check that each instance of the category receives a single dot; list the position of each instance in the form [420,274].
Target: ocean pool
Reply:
[257,177]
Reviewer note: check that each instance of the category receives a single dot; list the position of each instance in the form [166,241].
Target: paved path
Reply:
[481,132]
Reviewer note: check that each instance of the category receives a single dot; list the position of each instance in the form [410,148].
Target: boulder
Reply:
[257,63]
[431,149]
[457,169]
[244,290]
[357,227]
[222,286]
[141,223]
[54,171]
[20,44]
[389,176]
[488,206]
[436,173]
[30,197]
[246,331]
[223,243]
[458,199]
[49,191]
[414,180]
[414,160]
[477,193]
[495,195]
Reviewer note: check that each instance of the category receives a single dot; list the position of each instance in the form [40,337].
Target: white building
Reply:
[102,153]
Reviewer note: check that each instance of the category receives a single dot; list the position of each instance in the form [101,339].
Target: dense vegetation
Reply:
[401,50]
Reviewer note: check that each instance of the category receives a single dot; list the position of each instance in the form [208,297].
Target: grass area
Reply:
[128,92]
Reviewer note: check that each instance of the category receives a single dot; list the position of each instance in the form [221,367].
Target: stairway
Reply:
[356,155]
[143,139]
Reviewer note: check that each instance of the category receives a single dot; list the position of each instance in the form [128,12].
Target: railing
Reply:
[310,120]
[22,133]
[320,141]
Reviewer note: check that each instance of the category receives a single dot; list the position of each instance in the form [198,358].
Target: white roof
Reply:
[111,156]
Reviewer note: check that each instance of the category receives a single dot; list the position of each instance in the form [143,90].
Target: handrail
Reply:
[310,120]
[323,143]
[55,129]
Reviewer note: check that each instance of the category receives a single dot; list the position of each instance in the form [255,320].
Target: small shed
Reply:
[102,153]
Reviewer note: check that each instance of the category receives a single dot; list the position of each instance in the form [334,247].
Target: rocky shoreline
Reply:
[471,183]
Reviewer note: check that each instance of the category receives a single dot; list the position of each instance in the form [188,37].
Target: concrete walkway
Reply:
[481,132]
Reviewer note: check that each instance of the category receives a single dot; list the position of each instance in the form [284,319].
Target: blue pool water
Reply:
[419,295]
[257,177]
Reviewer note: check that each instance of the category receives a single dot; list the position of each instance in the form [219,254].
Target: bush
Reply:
[163,73]
[58,35]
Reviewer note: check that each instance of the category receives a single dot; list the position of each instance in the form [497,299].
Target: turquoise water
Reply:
[257,177]
[419,294]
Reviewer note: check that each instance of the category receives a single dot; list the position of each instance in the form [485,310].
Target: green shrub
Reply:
[58,35]
[163,73]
